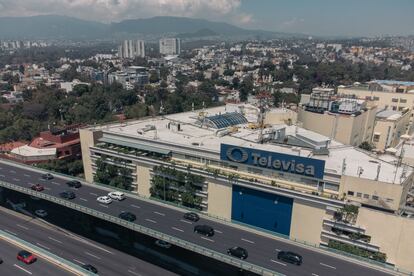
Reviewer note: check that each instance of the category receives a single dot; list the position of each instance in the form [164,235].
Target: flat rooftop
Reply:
[192,135]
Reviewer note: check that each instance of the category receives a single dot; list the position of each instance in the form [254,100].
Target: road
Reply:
[262,249]
[11,266]
[76,249]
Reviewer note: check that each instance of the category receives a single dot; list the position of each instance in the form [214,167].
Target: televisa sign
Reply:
[273,160]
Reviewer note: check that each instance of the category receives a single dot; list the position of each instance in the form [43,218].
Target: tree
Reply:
[366,146]
[154,77]
[246,88]
[136,111]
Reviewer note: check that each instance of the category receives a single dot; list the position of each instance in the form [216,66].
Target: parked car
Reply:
[238,252]
[290,257]
[90,268]
[191,216]
[117,195]
[67,195]
[26,257]
[127,216]
[47,176]
[204,230]
[41,213]
[1,260]
[37,187]
[74,184]
[163,244]
[104,199]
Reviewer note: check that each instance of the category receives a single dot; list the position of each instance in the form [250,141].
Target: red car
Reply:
[26,257]
[37,187]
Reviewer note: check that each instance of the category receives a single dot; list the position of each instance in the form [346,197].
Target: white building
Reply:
[131,49]
[170,46]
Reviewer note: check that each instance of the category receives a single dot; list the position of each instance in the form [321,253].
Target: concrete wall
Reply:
[277,117]
[219,198]
[307,220]
[88,138]
[143,180]
[397,128]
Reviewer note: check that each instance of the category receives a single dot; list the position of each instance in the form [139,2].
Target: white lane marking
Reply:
[327,265]
[177,229]
[12,171]
[135,206]
[41,245]
[26,175]
[278,262]
[83,199]
[21,268]
[47,188]
[278,250]
[218,231]
[249,241]
[106,206]
[55,240]
[10,232]
[90,254]
[207,239]
[1,175]
[135,273]
[55,183]
[150,220]
[16,179]
[313,274]
[158,213]
[41,179]
[21,226]
[93,194]
[79,262]
[186,221]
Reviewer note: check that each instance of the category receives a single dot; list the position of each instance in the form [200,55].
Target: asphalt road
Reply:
[262,249]
[11,266]
[76,249]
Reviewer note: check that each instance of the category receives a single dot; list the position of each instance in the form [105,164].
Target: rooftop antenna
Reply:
[378,171]
[360,171]
[161,109]
[343,165]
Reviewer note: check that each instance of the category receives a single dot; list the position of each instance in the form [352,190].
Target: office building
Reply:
[131,49]
[170,46]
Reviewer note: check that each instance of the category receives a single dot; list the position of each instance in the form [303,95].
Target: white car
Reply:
[104,199]
[41,213]
[117,195]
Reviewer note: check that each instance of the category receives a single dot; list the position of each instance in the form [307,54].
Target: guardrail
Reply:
[45,254]
[147,231]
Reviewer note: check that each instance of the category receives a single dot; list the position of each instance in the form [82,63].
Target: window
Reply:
[350,193]
[394,108]
[376,137]
[376,98]
[374,197]
[401,108]
[366,196]
[403,100]
[389,200]
[394,100]
[359,195]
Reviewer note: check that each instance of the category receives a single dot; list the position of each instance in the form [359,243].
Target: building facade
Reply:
[170,46]
[131,49]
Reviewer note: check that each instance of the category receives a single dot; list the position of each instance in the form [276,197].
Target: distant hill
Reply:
[198,34]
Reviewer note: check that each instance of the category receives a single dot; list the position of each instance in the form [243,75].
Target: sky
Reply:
[314,17]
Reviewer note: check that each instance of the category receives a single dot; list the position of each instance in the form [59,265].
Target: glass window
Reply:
[366,196]
[350,193]
[403,100]
[359,195]
[394,100]
[374,197]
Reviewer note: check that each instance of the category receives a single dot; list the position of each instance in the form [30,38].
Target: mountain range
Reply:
[64,27]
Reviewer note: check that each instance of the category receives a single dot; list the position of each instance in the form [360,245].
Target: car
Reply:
[290,257]
[90,268]
[127,216]
[163,244]
[191,216]
[74,184]
[104,199]
[26,257]
[41,213]
[117,195]
[67,195]
[238,252]
[37,187]
[204,230]
[1,260]
[47,176]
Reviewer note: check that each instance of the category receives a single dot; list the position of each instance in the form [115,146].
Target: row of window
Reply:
[367,196]
[394,100]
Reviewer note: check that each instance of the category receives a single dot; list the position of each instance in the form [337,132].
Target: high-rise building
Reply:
[170,46]
[131,49]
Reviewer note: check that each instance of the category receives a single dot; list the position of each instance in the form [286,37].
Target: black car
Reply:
[191,216]
[74,184]
[67,195]
[127,216]
[204,230]
[238,252]
[290,257]
[90,268]
[47,176]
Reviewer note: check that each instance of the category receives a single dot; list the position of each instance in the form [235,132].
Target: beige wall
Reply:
[307,221]
[219,198]
[275,117]
[143,180]
[88,138]
[396,128]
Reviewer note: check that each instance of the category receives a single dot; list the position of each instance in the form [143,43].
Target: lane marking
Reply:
[207,239]
[135,273]
[278,262]
[83,199]
[327,265]
[55,240]
[16,179]
[218,231]
[79,262]
[55,183]
[21,268]
[10,232]
[249,241]
[26,175]
[12,171]
[278,250]
[313,274]
[106,206]
[93,194]
[177,229]
[150,220]
[41,245]
[90,254]
[41,179]
[135,206]
[158,213]
[21,226]
[186,221]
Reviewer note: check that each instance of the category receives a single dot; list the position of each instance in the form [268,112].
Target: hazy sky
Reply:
[319,17]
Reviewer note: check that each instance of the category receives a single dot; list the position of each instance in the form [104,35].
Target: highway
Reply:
[76,249]
[11,266]
[261,248]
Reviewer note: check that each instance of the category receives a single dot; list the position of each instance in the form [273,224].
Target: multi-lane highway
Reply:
[262,249]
